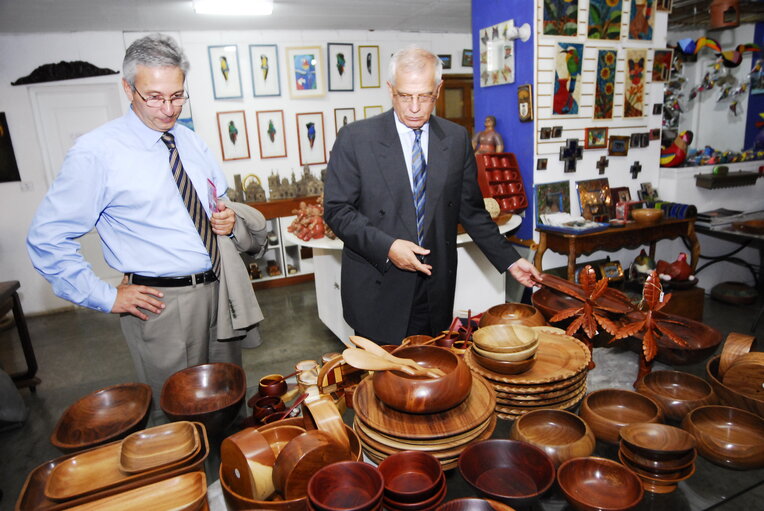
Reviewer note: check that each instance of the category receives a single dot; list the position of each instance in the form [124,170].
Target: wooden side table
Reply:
[632,235]
[9,298]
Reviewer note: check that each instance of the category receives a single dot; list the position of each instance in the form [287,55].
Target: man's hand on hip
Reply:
[131,298]
[223,221]
[408,256]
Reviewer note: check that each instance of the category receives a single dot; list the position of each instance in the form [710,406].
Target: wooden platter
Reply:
[514,414]
[157,446]
[540,396]
[423,445]
[468,415]
[519,403]
[560,405]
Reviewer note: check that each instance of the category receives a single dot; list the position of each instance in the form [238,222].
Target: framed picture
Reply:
[605,19]
[657,108]
[371,111]
[556,131]
[446,59]
[642,20]
[541,164]
[339,58]
[618,146]
[596,138]
[605,84]
[264,61]
[664,5]
[545,133]
[645,139]
[224,68]
[270,134]
[655,134]
[467,58]
[552,198]
[594,199]
[646,192]
[310,138]
[368,64]
[305,72]
[619,194]
[611,270]
[560,17]
[634,89]
[232,128]
[343,117]
[525,102]
[635,140]
[9,169]
[662,65]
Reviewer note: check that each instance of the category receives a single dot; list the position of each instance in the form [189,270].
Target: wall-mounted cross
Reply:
[602,164]
[570,153]
[635,169]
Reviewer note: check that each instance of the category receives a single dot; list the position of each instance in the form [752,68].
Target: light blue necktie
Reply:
[419,173]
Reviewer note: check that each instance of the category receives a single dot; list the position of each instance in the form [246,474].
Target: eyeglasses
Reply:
[420,98]
[159,101]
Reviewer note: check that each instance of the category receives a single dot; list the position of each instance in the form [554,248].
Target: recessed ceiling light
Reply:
[234,7]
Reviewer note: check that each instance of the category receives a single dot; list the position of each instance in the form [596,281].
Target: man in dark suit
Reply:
[397,185]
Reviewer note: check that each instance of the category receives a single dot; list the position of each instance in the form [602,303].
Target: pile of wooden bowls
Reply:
[606,411]
[505,349]
[561,434]
[557,378]
[512,314]
[347,486]
[592,483]
[660,455]
[676,392]
[414,480]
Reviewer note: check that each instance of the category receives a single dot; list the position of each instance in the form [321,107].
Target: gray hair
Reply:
[155,50]
[414,59]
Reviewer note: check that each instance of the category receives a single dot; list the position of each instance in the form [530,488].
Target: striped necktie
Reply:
[419,174]
[192,202]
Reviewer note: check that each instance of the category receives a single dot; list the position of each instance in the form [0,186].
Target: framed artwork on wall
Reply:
[596,138]
[664,5]
[467,58]
[525,102]
[224,69]
[552,198]
[605,19]
[568,62]
[618,146]
[446,59]
[264,61]
[270,134]
[634,88]
[662,65]
[642,20]
[339,58]
[305,72]
[371,111]
[594,199]
[605,84]
[368,65]
[343,117]
[232,129]
[560,17]
[311,138]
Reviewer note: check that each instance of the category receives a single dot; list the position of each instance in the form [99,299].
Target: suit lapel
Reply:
[437,169]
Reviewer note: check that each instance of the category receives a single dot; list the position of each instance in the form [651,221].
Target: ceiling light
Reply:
[234,7]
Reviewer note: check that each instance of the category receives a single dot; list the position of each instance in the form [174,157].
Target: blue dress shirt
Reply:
[407,137]
[117,178]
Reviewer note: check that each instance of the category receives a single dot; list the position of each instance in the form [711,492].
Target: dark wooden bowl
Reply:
[658,465]
[561,434]
[208,393]
[103,416]
[417,394]
[676,392]
[657,441]
[592,483]
[430,503]
[516,473]
[473,504]
[727,436]
[512,314]
[663,476]
[347,486]
[504,366]
[606,411]
[273,385]
[411,476]
[264,406]
[729,396]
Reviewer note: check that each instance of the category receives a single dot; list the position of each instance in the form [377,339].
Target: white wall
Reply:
[20,54]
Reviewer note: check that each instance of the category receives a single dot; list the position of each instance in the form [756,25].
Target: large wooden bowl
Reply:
[103,416]
[647,216]
[561,434]
[729,396]
[606,411]
[512,314]
[592,483]
[208,393]
[347,485]
[417,394]
[727,436]
[676,392]
[411,476]
[505,338]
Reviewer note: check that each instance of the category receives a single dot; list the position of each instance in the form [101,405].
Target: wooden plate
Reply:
[157,446]
[561,406]
[542,395]
[424,445]
[472,412]
[528,390]
[746,375]
[543,402]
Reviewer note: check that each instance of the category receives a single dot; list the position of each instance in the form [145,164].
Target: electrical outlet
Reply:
[26,186]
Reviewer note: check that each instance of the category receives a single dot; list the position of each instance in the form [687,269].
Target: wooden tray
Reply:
[157,446]
[472,412]
[423,445]
[560,406]
[505,401]
[530,390]
[541,395]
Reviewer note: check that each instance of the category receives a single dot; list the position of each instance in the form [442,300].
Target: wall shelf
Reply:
[732,179]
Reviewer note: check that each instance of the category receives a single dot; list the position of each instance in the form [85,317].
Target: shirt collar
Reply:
[405,130]
[147,136]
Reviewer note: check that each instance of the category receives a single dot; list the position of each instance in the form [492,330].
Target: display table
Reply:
[478,284]
[633,235]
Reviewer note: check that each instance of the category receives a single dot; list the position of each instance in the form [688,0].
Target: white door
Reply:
[63,113]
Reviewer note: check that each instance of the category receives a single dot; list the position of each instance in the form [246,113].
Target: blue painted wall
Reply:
[755,101]
[501,100]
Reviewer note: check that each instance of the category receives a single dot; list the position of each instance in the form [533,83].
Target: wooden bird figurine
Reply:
[675,154]
[679,270]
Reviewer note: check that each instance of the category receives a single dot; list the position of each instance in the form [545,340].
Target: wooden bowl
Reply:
[416,340]
[504,366]
[512,314]
[658,465]
[348,485]
[561,434]
[103,416]
[157,446]
[208,393]
[746,375]
[509,357]
[505,338]
[729,396]
[248,463]
[430,503]
[264,406]
[321,413]
[278,435]
[411,476]
[606,411]
[273,385]
[727,436]
[676,392]
[659,476]
[647,216]
[473,504]
[734,346]
[657,441]
[516,473]
[417,394]
[599,484]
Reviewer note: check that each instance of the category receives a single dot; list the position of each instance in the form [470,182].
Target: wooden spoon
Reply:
[362,359]
[375,349]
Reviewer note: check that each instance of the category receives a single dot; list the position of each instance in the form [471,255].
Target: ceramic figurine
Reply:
[675,154]
[679,270]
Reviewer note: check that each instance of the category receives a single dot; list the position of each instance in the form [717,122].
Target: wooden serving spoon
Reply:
[362,359]
[377,350]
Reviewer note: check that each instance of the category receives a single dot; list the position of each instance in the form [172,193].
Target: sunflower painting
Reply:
[634,88]
[605,19]
[603,98]
[561,17]
[567,80]
[642,20]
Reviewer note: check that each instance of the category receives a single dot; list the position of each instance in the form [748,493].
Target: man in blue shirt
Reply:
[130,180]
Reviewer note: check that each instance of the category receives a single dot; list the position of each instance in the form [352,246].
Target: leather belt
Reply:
[188,280]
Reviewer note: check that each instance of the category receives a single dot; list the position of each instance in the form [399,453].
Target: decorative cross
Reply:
[602,164]
[635,169]
[570,153]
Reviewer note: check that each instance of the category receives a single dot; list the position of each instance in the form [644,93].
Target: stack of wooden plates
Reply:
[557,380]
[384,431]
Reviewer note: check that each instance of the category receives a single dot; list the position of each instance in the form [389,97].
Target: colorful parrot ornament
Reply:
[233,132]
[311,126]
[675,154]
[224,67]
[264,66]
[271,131]
[341,63]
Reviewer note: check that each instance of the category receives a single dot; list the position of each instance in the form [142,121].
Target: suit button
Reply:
[381,212]
[450,204]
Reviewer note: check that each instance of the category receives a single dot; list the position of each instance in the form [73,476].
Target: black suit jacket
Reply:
[368,203]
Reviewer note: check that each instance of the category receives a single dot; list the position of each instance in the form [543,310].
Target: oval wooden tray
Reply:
[157,446]
[472,412]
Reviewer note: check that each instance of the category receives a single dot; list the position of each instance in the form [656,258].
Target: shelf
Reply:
[733,179]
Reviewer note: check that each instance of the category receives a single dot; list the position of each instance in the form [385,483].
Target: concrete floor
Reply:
[81,351]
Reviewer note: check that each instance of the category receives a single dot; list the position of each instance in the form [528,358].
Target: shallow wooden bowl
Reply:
[348,485]
[505,338]
[103,416]
[606,411]
[657,441]
[208,393]
[473,504]
[504,366]
[512,314]
[561,434]
[660,476]
[509,357]
[417,394]
[157,446]
[411,476]
[430,503]
[658,465]
[727,436]
[676,392]
[647,216]
[593,483]
[516,473]
[728,395]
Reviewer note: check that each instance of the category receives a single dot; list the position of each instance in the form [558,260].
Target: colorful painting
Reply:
[567,79]
[642,20]
[561,17]
[305,72]
[552,198]
[603,98]
[662,65]
[605,19]
[634,86]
